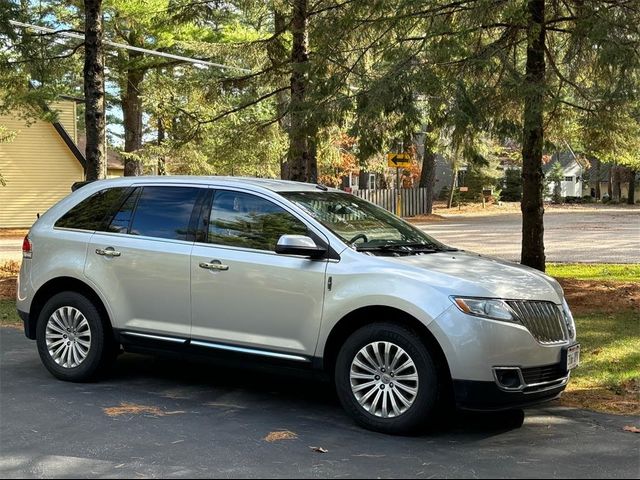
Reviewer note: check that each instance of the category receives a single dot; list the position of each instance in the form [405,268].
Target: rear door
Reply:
[141,263]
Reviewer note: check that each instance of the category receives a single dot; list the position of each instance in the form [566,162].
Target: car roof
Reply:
[274,185]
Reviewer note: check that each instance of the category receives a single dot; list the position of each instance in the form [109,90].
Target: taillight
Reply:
[27,248]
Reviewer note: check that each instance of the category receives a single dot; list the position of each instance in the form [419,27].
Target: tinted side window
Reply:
[164,212]
[91,212]
[244,220]
[122,219]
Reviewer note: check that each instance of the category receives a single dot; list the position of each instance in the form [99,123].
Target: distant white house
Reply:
[574,169]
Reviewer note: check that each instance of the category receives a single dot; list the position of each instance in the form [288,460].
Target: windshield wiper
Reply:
[407,248]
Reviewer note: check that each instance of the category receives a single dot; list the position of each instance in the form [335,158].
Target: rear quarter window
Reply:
[91,213]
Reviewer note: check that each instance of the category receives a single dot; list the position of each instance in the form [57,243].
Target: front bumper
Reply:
[487,396]
[498,365]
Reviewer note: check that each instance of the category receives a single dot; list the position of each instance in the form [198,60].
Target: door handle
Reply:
[218,267]
[107,252]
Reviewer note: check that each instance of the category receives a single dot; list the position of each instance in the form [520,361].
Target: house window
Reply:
[568,179]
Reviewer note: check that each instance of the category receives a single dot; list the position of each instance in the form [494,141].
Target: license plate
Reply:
[573,357]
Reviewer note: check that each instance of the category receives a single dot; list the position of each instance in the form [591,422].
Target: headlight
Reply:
[568,318]
[486,308]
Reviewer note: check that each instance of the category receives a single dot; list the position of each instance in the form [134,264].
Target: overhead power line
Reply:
[130,47]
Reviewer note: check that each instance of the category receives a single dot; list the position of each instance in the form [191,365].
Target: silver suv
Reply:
[291,273]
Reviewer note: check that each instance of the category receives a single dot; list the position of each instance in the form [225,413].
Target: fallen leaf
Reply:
[134,409]
[319,449]
[597,351]
[632,429]
[280,435]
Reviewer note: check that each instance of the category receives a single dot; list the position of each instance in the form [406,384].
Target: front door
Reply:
[243,293]
[141,265]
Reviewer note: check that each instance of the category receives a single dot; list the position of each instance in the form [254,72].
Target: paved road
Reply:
[587,236]
[212,423]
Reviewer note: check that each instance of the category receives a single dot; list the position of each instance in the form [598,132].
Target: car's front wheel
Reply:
[386,379]
[73,340]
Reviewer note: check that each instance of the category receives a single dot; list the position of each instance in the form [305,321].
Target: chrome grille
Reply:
[545,320]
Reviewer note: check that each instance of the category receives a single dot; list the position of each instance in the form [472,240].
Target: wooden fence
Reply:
[414,200]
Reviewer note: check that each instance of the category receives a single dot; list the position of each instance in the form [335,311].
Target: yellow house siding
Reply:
[67,117]
[38,168]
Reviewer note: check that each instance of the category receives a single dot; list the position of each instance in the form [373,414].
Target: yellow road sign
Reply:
[399,160]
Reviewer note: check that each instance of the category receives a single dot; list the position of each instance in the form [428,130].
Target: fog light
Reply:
[509,378]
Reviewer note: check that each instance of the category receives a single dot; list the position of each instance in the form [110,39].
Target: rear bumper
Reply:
[487,396]
[29,325]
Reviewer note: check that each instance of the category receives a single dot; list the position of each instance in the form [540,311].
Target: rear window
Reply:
[92,212]
[164,212]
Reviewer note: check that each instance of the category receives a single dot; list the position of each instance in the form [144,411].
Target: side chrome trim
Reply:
[250,351]
[154,337]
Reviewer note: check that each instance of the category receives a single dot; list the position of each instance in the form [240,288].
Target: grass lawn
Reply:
[8,314]
[595,271]
[608,377]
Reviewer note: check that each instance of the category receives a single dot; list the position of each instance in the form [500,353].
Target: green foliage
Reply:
[6,135]
[379,72]
[512,191]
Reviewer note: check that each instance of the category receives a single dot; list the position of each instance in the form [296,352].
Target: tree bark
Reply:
[428,174]
[302,165]
[162,164]
[616,183]
[631,198]
[532,205]
[278,55]
[94,91]
[132,115]
[598,192]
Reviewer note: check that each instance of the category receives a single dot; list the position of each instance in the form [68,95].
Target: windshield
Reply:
[363,225]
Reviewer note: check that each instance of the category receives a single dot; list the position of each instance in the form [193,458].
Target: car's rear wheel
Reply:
[74,341]
[387,380]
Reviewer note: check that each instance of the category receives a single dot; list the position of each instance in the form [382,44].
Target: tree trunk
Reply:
[616,183]
[301,159]
[162,164]
[363,180]
[454,178]
[532,205]
[94,91]
[598,192]
[631,198]
[278,55]
[428,176]
[132,115]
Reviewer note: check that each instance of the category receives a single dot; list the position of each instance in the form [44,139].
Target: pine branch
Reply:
[243,106]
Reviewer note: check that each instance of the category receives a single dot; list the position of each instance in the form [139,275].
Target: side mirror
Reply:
[299,245]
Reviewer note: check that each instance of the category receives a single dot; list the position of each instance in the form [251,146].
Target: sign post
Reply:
[398,161]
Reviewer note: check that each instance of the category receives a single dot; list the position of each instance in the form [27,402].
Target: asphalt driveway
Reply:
[584,235]
[160,417]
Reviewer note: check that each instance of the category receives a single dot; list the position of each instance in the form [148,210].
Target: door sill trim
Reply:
[150,336]
[250,351]
[217,346]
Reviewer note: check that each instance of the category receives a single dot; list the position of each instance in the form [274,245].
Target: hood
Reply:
[474,275]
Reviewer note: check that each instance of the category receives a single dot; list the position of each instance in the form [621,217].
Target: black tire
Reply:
[102,350]
[421,414]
